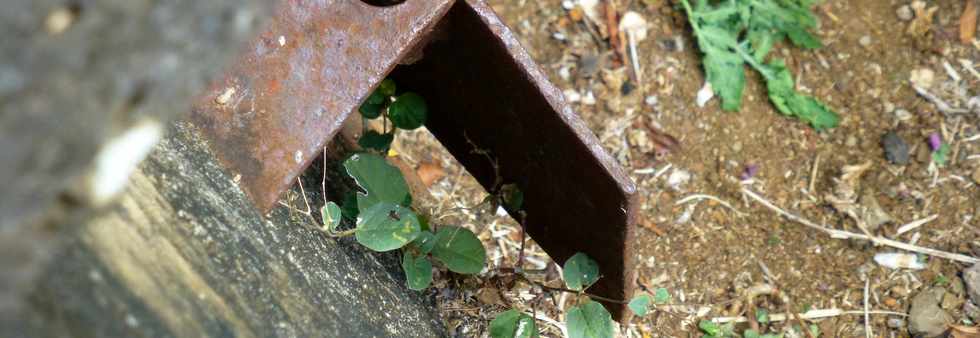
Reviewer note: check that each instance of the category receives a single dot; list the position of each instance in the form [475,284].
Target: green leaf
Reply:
[589,320]
[788,101]
[941,155]
[372,106]
[580,272]
[380,181]
[387,87]
[762,316]
[751,334]
[425,242]
[513,324]
[386,226]
[661,296]
[331,215]
[641,304]
[460,250]
[512,197]
[377,141]
[418,271]
[349,206]
[709,328]
[408,111]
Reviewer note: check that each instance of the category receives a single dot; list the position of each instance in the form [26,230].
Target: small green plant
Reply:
[732,33]
[384,221]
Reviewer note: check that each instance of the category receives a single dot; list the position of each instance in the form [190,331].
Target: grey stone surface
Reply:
[926,318]
[184,254]
[76,73]
[971,277]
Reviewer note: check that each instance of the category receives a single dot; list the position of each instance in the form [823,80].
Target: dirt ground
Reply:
[706,254]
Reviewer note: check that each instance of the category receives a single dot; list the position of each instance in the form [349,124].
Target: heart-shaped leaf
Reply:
[513,324]
[377,141]
[386,226]
[460,250]
[641,304]
[580,272]
[380,181]
[589,320]
[372,106]
[408,111]
[418,271]
[387,87]
[425,242]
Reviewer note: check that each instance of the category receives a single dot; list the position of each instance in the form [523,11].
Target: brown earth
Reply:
[704,253]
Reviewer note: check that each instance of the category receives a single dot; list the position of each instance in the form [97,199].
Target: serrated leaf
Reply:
[380,181]
[941,155]
[460,250]
[661,296]
[331,215]
[387,87]
[788,101]
[377,141]
[425,242]
[580,272]
[408,112]
[418,271]
[709,327]
[513,324]
[641,304]
[386,226]
[589,320]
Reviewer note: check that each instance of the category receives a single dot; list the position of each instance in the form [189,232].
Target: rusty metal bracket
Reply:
[318,61]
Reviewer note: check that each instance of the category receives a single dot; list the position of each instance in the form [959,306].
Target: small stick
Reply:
[840,234]
[708,197]
[812,314]
[915,224]
[867,308]
[940,104]
[813,174]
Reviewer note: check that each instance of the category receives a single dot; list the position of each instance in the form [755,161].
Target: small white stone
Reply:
[864,41]
[225,96]
[282,40]
[677,178]
[572,96]
[905,13]
[652,100]
[705,94]
[922,77]
[298,157]
[568,5]
[588,99]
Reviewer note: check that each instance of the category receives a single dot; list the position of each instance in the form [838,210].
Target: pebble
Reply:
[896,150]
[852,141]
[865,41]
[926,318]
[922,77]
[737,147]
[896,323]
[976,176]
[971,277]
[904,13]
[588,99]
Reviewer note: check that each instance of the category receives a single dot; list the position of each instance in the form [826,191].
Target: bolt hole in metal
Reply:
[382,3]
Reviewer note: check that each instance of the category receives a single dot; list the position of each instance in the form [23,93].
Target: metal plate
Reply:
[298,81]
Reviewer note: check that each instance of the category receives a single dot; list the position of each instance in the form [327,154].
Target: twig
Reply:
[834,233]
[809,315]
[813,174]
[708,197]
[867,308]
[915,224]
[940,104]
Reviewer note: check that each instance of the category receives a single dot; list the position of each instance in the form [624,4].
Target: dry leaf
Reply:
[429,173]
[968,22]
[957,331]
[923,18]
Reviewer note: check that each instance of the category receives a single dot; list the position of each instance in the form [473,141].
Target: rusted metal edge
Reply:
[485,89]
[299,80]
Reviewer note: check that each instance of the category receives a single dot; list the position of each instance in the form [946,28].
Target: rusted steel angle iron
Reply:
[311,69]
